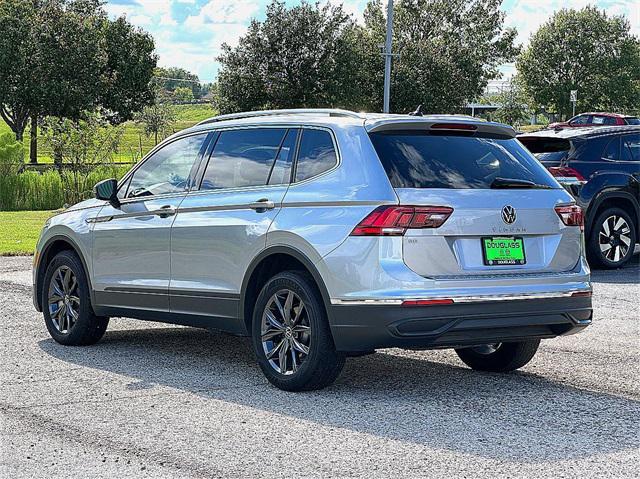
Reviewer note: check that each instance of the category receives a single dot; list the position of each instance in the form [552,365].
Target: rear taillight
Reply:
[395,220]
[571,215]
[566,174]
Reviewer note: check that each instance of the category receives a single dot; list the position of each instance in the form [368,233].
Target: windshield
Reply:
[418,159]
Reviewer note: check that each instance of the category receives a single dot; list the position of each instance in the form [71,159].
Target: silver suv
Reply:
[324,234]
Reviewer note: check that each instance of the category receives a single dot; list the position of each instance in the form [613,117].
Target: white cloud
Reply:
[223,11]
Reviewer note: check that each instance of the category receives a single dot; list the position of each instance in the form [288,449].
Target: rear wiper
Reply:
[514,183]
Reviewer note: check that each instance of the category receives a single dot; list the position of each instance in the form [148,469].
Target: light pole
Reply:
[387,56]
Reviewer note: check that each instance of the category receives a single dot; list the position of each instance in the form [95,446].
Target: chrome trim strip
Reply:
[458,299]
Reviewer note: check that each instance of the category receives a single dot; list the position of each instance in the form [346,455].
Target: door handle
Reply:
[166,211]
[262,205]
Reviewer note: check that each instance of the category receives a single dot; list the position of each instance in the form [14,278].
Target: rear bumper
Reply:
[362,327]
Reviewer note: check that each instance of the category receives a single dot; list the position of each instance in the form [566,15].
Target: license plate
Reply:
[498,251]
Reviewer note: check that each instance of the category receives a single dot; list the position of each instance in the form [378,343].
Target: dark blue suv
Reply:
[601,168]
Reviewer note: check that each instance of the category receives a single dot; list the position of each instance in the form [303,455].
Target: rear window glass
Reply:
[316,154]
[547,149]
[422,160]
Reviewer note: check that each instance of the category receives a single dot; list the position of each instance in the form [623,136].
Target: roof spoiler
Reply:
[441,123]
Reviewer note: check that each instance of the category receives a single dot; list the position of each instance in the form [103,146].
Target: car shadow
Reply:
[517,417]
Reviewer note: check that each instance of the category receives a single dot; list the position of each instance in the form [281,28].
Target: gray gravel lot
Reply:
[152,400]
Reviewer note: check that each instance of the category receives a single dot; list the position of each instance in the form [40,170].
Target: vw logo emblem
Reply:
[509,214]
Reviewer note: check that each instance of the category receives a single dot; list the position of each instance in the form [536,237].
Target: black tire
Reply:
[506,357]
[322,365]
[87,328]
[597,258]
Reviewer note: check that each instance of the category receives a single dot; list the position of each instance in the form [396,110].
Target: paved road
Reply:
[159,401]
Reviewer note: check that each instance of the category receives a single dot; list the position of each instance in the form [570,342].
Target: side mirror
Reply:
[107,190]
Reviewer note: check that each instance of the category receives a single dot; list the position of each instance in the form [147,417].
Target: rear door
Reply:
[502,199]
[222,225]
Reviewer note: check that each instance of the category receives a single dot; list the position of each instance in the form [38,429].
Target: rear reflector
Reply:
[395,220]
[427,302]
[571,215]
[454,126]
[582,294]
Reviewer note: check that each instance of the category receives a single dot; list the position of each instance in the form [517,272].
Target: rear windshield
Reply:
[424,160]
[547,149]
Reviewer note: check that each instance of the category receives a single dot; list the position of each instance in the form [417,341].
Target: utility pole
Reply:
[387,56]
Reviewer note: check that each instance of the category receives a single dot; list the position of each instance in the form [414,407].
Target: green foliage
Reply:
[11,154]
[513,103]
[169,79]
[157,119]
[301,56]
[32,190]
[62,57]
[448,50]
[183,94]
[585,50]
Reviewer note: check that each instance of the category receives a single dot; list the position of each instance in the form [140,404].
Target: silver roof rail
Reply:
[291,111]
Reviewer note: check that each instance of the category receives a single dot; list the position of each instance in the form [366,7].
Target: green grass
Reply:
[134,143]
[20,230]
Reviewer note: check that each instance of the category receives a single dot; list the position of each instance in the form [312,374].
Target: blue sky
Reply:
[189,33]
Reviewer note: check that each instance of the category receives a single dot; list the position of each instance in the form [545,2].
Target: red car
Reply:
[596,119]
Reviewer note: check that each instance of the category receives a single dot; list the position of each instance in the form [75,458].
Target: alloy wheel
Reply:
[285,332]
[63,299]
[614,238]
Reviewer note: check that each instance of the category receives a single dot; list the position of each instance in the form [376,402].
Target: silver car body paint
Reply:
[205,249]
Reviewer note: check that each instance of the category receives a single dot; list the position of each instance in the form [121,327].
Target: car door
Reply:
[131,243]
[222,226]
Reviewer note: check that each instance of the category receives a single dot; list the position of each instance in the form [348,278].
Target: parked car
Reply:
[323,234]
[596,119]
[601,167]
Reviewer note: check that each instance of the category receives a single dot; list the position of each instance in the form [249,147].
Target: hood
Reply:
[90,203]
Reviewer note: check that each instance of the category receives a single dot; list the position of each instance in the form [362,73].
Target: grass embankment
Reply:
[134,143]
[19,231]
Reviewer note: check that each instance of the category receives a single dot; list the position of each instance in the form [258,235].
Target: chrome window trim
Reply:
[198,191]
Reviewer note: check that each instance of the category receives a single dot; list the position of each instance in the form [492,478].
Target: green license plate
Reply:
[498,251]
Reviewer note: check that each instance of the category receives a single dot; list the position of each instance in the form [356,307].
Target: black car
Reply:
[601,168]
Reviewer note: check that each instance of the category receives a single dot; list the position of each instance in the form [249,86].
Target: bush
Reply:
[50,190]
[11,154]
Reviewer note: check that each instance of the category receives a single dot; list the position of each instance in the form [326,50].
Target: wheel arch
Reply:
[608,199]
[51,248]
[269,262]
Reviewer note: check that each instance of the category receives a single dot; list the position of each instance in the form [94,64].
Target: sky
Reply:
[189,33]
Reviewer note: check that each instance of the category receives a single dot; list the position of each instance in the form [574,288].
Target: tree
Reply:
[513,104]
[168,79]
[182,94]
[62,57]
[448,50]
[11,154]
[82,144]
[585,50]
[302,56]
[157,119]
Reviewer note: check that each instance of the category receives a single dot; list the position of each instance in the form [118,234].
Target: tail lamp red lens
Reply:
[396,220]
[566,173]
[454,126]
[571,215]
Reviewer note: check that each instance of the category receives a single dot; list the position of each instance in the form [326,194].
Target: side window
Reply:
[281,171]
[610,121]
[242,158]
[316,155]
[630,148]
[168,170]
[612,151]
[599,120]
[580,120]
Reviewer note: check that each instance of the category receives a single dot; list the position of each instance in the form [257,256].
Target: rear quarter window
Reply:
[316,154]
[423,160]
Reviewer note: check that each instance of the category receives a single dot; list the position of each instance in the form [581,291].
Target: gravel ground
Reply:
[152,400]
